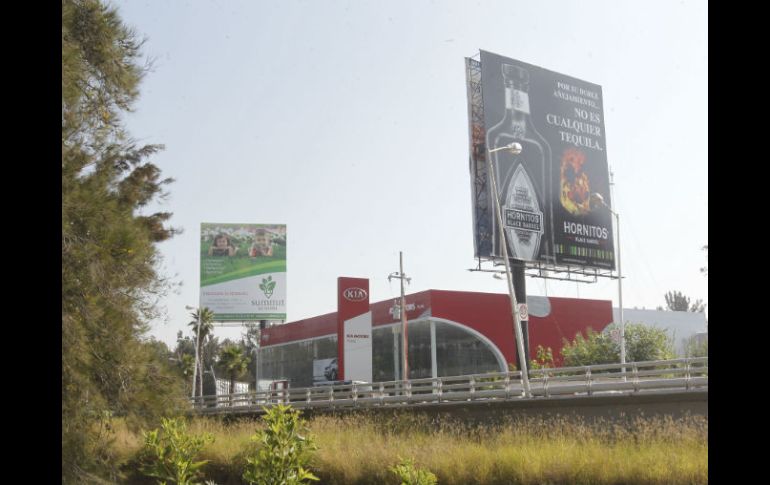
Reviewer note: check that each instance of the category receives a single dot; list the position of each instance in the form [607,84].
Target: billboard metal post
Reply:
[520,287]
[514,148]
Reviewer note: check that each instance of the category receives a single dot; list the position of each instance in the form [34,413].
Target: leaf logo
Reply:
[267,286]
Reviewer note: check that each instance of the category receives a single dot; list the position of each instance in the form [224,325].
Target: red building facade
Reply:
[450,333]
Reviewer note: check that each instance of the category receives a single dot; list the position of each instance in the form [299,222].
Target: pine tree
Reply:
[109,257]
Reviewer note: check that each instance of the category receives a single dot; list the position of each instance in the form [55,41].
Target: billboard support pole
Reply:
[520,288]
[514,148]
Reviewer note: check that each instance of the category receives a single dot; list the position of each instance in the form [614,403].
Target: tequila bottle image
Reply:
[523,180]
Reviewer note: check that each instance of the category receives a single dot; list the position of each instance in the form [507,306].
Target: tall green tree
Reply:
[250,344]
[235,362]
[110,282]
[203,317]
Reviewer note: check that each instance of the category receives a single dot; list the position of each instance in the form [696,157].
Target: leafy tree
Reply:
[676,301]
[234,362]
[110,282]
[284,449]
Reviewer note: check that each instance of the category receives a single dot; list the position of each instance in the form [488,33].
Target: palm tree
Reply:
[206,318]
[234,362]
[186,363]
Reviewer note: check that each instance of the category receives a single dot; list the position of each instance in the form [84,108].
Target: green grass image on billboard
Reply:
[235,251]
[221,269]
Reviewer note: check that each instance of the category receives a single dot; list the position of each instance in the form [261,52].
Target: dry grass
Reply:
[359,449]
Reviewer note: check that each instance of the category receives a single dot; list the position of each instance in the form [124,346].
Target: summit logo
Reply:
[267,286]
[355,294]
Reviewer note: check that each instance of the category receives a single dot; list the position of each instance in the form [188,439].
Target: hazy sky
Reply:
[347,121]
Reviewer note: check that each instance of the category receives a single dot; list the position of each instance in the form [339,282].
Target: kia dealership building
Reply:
[450,333]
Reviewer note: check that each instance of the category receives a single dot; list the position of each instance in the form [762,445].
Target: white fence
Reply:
[678,375]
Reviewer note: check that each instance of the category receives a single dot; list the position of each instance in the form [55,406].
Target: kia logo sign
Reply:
[354,294]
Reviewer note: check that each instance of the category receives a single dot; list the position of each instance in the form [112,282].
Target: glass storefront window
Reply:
[458,352]
[383,364]
[295,361]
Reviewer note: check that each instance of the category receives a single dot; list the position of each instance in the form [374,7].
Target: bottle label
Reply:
[523,216]
[518,100]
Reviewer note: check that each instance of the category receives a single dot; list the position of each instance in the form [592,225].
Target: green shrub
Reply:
[409,474]
[169,453]
[543,359]
[694,348]
[284,452]
[643,343]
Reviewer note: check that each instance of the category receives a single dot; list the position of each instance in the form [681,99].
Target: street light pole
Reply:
[596,197]
[514,148]
[620,299]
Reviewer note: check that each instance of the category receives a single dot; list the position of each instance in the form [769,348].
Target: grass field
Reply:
[359,450]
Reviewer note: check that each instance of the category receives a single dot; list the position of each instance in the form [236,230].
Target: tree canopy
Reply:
[676,301]
[110,282]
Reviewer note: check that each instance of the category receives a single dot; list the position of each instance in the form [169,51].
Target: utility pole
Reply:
[404,335]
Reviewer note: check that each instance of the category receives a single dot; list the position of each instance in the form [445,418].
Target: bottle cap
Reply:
[515,74]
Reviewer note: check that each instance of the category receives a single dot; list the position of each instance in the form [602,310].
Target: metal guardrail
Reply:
[639,377]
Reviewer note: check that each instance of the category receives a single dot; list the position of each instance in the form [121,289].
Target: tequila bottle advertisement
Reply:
[545,191]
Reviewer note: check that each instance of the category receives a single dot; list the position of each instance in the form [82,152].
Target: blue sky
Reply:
[347,121]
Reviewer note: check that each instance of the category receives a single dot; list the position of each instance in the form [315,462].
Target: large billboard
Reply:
[544,191]
[243,271]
